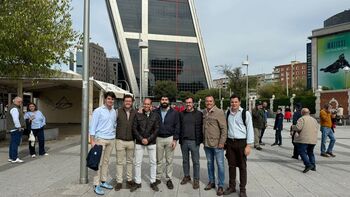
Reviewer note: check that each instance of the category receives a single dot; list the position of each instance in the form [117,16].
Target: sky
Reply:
[269,32]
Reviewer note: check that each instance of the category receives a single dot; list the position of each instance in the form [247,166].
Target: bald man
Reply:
[15,124]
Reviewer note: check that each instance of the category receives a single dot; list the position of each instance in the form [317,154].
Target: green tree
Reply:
[182,95]
[34,35]
[167,88]
[267,90]
[236,83]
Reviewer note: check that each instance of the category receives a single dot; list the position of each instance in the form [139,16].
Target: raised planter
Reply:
[51,134]
[2,135]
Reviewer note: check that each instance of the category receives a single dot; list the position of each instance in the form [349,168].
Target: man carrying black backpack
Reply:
[240,138]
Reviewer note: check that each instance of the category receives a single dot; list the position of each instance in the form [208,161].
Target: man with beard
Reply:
[166,140]
[124,143]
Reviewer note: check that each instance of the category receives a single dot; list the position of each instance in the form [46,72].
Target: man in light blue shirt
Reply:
[240,138]
[102,132]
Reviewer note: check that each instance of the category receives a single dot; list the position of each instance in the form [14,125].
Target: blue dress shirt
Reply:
[236,128]
[104,123]
[38,119]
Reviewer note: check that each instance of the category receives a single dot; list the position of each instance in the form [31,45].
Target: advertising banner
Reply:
[333,54]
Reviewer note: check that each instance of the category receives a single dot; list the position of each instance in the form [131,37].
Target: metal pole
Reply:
[287,76]
[140,81]
[247,99]
[85,98]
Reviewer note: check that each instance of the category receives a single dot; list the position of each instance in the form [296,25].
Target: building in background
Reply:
[98,62]
[112,70]
[330,52]
[290,75]
[175,47]
[221,82]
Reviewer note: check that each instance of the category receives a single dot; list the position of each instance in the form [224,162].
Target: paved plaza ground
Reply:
[271,172]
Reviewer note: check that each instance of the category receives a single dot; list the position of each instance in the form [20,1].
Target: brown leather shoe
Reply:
[185,180]
[129,184]
[118,187]
[229,191]
[220,191]
[242,194]
[195,184]
[210,186]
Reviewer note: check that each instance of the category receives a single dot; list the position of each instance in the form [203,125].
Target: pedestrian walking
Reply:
[215,135]
[240,138]
[306,139]
[190,138]
[266,113]
[296,116]
[278,127]
[326,129]
[37,121]
[102,132]
[258,123]
[145,129]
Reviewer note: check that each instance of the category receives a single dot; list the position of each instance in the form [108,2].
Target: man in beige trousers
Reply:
[124,143]
[102,132]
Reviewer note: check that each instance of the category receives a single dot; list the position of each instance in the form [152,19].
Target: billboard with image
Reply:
[333,54]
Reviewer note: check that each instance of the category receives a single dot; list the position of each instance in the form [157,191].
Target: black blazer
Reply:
[145,127]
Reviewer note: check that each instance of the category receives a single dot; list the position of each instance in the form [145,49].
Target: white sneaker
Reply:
[17,161]
[33,156]
[9,160]
[46,154]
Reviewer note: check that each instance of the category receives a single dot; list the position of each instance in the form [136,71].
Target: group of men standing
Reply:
[158,131]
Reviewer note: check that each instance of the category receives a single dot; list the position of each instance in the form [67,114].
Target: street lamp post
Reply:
[142,45]
[246,63]
[346,70]
[85,97]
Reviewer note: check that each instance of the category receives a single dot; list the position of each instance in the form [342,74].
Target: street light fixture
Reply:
[142,45]
[346,70]
[246,63]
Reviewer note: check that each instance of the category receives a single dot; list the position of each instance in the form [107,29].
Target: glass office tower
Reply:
[175,48]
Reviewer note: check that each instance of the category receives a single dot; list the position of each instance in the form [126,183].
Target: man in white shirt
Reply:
[102,132]
[240,137]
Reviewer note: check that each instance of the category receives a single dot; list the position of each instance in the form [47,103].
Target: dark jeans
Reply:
[39,134]
[236,158]
[306,152]
[278,137]
[295,149]
[14,143]
[261,135]
[188,146]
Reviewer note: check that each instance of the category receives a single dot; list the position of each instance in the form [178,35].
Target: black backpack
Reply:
[243,116]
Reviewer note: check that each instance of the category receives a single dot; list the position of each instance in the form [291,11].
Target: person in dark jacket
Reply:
[191,136]
[296,116]
[278,127]
[124,143]
[145,129]
[258,123]
[166,140]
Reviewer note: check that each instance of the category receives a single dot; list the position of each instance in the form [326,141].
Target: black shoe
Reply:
[169,184]
[118,187]
[229,191]
[135,187]
[324,155]
[129,184]
[308,168]
[258,148]
[279,144]
[295,157]
[262,143]
[210,186]
[242,194]
[154,187]
[330,154]
[314,168]
[158,181]
[274,144]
